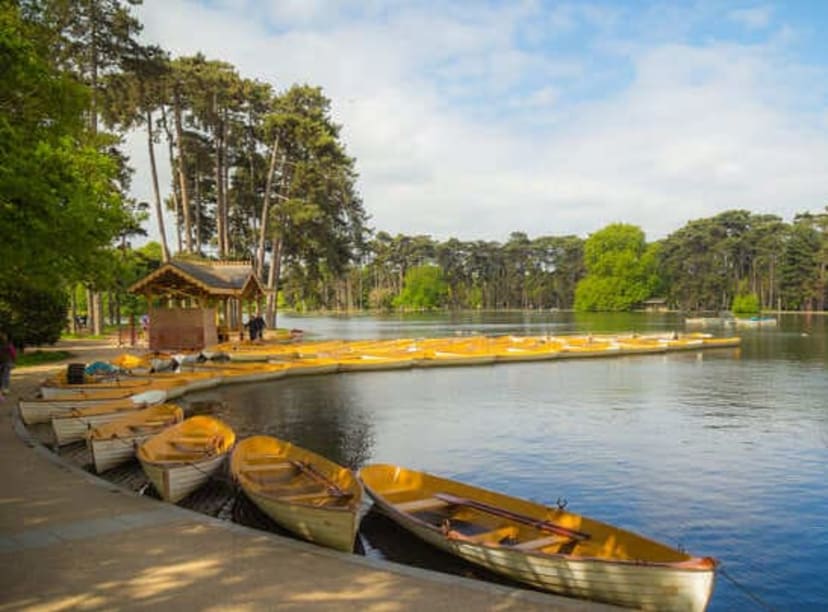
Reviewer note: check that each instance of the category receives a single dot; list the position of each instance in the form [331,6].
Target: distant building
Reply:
[655,305]
[195,303]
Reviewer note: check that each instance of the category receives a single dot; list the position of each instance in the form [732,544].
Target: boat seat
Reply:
[493,536]
[319,493]
[269,467]
[421,505]
[190,447]
[539,543]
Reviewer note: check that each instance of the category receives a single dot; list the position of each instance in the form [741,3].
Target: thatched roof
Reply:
[201,278]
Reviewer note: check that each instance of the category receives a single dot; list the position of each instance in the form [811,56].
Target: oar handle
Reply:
[515,516]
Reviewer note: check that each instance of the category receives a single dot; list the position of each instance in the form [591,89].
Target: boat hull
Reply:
[305,493]
[331,527]
[176,481]
[185,456]
[625,584]
[73,428]
[112,452]
[513,537]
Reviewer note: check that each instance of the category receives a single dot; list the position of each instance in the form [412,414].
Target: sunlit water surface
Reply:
[722,452]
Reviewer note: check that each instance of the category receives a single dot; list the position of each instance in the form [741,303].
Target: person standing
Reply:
[257,325]
[8,355]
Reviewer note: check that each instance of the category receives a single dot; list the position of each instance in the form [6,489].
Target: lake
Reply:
[722,452]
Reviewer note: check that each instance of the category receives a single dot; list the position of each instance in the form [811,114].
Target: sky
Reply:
[474,119]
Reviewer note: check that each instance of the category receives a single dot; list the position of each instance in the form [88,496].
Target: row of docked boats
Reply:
[322,502]
[470,350]
[74,408]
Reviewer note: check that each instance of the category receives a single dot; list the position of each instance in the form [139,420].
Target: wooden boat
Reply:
[548,548]
[311,366]
[434,359]
[303,492]
[183,457]
[113,443]
[39,410]
[365,363]
[58,388]
[75,424]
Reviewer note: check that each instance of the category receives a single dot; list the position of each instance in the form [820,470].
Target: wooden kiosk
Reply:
[203,299]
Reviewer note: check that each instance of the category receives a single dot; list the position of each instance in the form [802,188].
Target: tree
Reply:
[317,218]
[60,206]
[423,288]
[132,97]
[800,285]
[620,270]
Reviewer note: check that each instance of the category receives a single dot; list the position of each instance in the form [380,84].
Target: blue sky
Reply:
[475,119]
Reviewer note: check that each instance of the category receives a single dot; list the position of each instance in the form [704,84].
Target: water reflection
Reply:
[316,412]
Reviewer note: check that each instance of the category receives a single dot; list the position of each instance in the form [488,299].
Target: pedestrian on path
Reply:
[8,355]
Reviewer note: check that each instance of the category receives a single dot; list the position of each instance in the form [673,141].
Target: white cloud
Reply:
[458,132]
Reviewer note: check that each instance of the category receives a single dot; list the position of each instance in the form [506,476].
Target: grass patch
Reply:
[40,357]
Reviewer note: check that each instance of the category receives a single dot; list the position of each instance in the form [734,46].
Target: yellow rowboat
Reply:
[518,353]
[114,442]
[244,372]
[548,548]
[54,388]
[41,410]
[303,492]
[435,359]
[721,342]
[75,424]
[373,362]
[182,458]
[311,366]
[593,349]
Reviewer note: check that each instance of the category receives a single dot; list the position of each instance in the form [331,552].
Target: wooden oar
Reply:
[519,518]
[311,471]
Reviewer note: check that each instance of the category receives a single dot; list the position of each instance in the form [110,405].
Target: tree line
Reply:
[262,175]
[703,266]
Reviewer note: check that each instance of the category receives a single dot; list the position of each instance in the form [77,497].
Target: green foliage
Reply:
[58,206]
[801,267]
[423,288]
[746,304]
[32,316]
[620,270]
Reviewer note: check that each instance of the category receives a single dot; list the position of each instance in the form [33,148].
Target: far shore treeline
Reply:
[261,174]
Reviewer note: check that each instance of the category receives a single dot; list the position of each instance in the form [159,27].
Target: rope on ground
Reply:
[756,599]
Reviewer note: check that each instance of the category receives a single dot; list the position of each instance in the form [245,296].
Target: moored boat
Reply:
[548,548]
[75,424]
[183,457]
[113,443]
[40,410]
[57,387]
[303,492]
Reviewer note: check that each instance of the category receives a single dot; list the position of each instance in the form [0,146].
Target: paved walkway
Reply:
[69,540]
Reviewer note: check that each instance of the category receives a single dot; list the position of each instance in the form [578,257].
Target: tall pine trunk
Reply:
[182,175]
[266,210]
[165,251]
[174,169]
[273,282]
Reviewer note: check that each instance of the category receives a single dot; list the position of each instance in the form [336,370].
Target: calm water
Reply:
[722,452]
